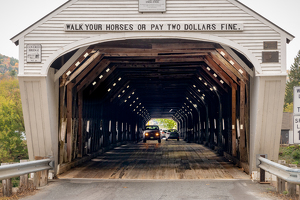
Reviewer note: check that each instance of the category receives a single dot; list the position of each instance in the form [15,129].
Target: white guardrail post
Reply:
[283,174]
[39,167]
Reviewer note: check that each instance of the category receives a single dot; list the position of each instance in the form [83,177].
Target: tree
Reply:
[12,146]
[12,138]
[167,123]
[13,73]
[294,80]
[289,108]
[13,61]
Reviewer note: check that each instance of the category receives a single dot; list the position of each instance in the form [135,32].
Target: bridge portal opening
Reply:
[113,89]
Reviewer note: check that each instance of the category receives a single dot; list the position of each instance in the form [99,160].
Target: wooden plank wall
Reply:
[50,32]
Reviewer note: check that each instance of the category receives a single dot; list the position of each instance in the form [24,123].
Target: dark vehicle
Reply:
[173,134]
[151,132]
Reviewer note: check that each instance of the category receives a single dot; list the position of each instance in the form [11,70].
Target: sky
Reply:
[17,15]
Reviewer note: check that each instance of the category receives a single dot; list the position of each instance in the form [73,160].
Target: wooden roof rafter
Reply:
[95,58]
[213,77]
[92,74]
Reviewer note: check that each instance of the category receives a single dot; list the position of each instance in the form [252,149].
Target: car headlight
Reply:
[146,134]
[157,134]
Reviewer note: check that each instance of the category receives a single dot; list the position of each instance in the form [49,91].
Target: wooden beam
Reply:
[149,56]
[80,123]
[239,60]
[92,75]
[247,118]
[105,76]
[69,122]
[220,71]
[96,56]
[223,68]
[233,117]
[223,62]
[232,62]
[180,59]
[242,143]
[70,62]
[216,83]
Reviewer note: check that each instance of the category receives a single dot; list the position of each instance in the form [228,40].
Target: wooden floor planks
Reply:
[168,160]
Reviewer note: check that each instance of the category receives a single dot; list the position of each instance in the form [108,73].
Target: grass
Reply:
[291,154]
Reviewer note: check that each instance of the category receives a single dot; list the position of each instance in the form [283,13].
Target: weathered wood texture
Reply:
[168,160]
[6,185]
[40,178]
[233,117]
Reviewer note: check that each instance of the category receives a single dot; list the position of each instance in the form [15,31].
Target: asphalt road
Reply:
[91,189]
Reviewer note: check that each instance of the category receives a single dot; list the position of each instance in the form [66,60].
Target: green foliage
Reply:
[12,146]
[294,80]
[296,154]
[288,107]
[167,123]
[291,154]
[15,182]
[13,73]
[12,142]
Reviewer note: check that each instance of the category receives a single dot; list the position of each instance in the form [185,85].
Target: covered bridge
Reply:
[93,72]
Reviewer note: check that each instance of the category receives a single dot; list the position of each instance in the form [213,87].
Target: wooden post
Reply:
[69,122]
[291,189]
[23,179]
[206,126]
[40,178]
[262,178]
[219,127]
[36,179]
[62,116]
[247,119]
[63,129]
[233,114]
[280,185]
[242,143]
[6,185]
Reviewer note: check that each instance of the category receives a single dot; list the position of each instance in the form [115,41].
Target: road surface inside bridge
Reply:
[151,160]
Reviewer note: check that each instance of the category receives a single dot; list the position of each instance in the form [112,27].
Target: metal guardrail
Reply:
[288,174]
[18,169]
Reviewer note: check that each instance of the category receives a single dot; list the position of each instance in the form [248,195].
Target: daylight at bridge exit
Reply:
[153,99]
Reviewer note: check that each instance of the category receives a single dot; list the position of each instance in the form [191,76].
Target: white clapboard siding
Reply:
[52,36]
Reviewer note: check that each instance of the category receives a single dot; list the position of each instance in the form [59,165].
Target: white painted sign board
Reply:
[152,5]
[297,100]
[296,129]
[296,121]
[90,27]
[34,53]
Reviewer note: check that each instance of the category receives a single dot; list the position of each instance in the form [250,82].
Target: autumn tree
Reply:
[167,123]
[12,136]
[294,80]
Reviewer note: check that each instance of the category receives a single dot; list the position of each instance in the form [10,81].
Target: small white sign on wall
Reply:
[296,129]
[34,53]
[296,120]
[297,100]
[152,5]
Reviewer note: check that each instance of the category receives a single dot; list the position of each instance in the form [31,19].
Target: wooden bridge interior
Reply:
[113,89]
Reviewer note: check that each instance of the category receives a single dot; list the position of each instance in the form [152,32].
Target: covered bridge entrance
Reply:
[93,73]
